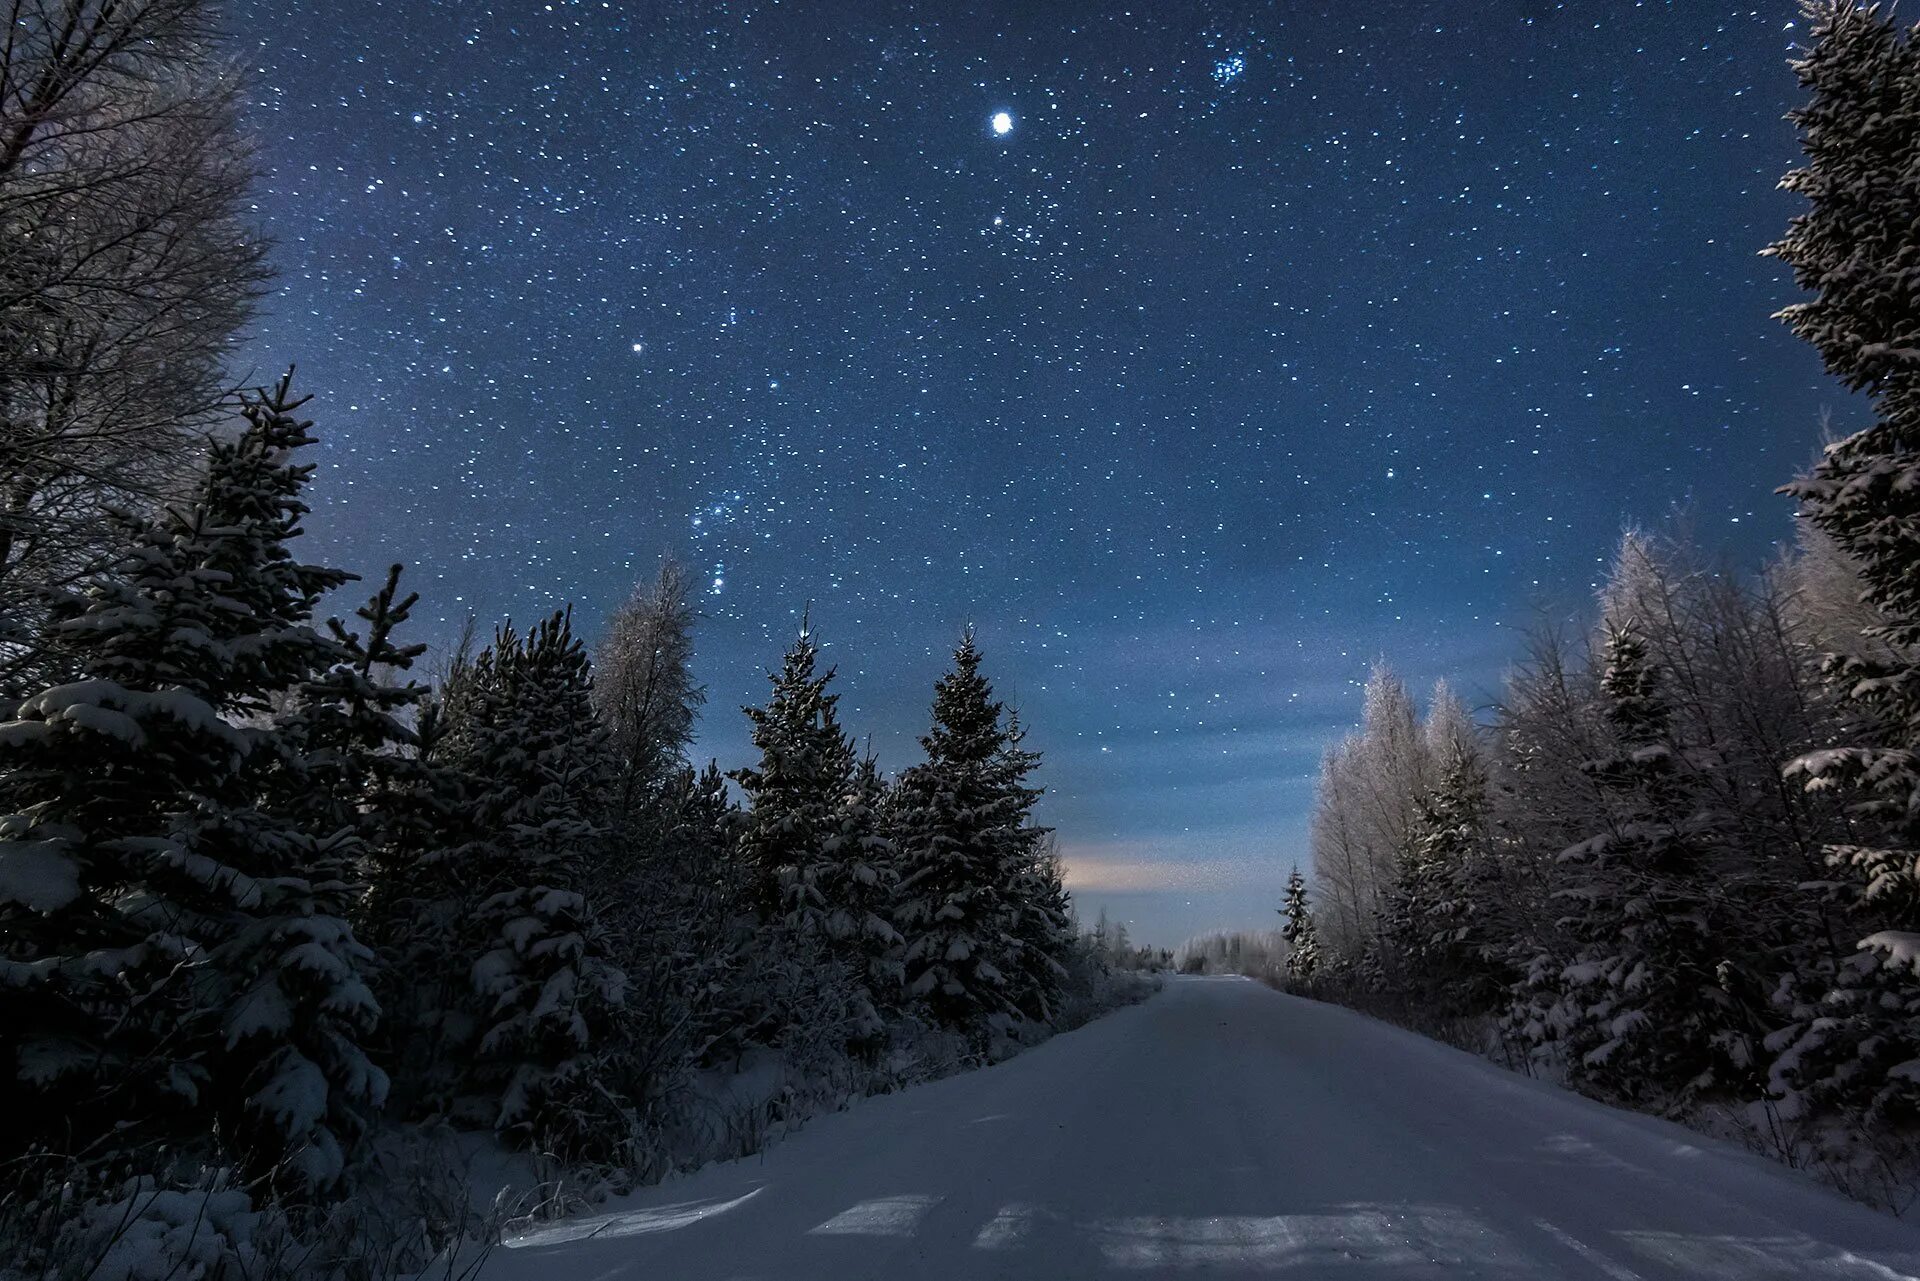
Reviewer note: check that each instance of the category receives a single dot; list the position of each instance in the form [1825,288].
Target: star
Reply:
[1125,393]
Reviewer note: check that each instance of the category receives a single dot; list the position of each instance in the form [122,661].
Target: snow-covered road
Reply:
[1221,1129]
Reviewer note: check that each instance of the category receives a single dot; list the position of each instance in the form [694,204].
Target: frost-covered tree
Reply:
[1456,906]
[522,730]
[1303,943]
[961,831]
[797,792]
[854,880]
[1447,732]
[1854,250]
[644,689]
[127,270]
[1043,922]
[1636,1005]
[175,938]
[658,896]
[1367,809]
[705,944]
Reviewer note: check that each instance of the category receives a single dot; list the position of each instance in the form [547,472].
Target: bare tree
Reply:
[643,685]
[1368,805]
[126,269]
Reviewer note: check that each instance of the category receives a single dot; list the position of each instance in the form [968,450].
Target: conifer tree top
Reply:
[966,718]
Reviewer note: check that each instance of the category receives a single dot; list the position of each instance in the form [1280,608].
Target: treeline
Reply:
[272,904]
[1679,864]
[1110,943]
[1256,954]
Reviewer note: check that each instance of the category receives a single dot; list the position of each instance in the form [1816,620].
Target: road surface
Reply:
[1223,1130]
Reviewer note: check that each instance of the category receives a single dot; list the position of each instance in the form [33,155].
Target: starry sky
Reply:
[1197,353]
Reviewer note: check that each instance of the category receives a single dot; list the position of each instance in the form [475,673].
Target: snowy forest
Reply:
[1677,865]
[297,917]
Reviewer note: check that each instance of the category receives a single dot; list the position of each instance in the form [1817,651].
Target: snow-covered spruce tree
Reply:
[1403,935]
[797,790]
[349,723]
[1303,944]
[959,829]
[855,881]
[1464,955]
[1043,921]
[709,947]
[301,1007]
[1636,1007]
[522,731]
[812,843]
[417,911]
[1854,249]
[175,942]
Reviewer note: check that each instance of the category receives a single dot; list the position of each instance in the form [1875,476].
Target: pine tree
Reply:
[1462,955]
[960,853]
[1404,933]
[855,878]
[709,940]
[175,940]
[418,907]
[798,791]
[522,730]
[1303,944]
[1043,917]
[1637,1007]
[1854,249]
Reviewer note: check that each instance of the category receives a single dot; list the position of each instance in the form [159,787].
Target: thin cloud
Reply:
[1110,874]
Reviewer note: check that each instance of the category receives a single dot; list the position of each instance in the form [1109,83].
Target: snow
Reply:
[1899,949]
[156,1234]
[1222,1129]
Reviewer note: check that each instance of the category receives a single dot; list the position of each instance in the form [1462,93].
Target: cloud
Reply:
[1114,872]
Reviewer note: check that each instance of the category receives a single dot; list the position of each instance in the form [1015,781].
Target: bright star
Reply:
[1002,122]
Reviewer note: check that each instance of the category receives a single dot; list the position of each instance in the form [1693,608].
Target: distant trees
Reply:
[1260,954]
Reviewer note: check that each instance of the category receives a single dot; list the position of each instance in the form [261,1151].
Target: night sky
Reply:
[1197,353]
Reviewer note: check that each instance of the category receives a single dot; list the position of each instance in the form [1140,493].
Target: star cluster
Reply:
[1198,354]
